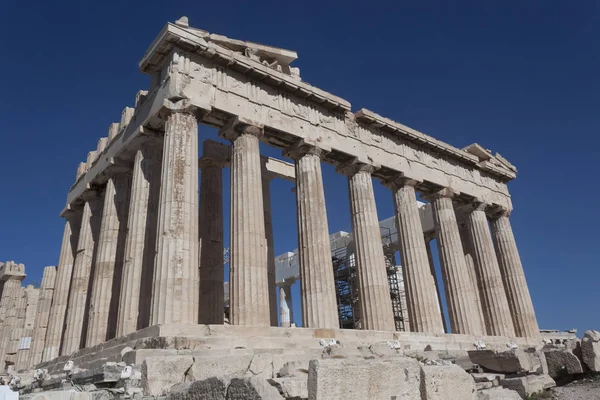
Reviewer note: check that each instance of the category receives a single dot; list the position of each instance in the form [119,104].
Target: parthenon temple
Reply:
[143,249]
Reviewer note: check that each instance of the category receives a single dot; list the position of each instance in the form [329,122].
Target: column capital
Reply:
[476,205]
[236,127]
[302,148]
[399,181]
[495,212]
[353,166]
[446,192]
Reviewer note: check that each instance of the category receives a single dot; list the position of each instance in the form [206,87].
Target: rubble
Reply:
[590,350]
[562,362]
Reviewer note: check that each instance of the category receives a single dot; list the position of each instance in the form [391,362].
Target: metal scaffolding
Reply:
[346,285]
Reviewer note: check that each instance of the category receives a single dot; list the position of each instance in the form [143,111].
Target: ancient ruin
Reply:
[140,277]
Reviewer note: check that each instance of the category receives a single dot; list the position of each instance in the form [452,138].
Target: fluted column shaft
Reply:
[42,315]
[419,282]
[176,287]
[249,287]
[212,271]
[270,246]
[138,266]
[62,286]
[373,287]
[513,276]
[460,293]
[76,323]
[317,285]
[493,297]
[11,291]
[108,269]
[428,239]
[470,263]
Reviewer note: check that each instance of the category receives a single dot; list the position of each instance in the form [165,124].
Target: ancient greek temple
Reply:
[143,236]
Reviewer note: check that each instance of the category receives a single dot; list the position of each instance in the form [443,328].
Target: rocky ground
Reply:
[583,389]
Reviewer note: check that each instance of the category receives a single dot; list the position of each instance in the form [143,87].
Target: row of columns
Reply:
[143,233]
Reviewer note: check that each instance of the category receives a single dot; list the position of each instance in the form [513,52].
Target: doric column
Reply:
[212,271]
[428,238]
[270,246]
[138,267]
[42,316]
[460,294]
[76,325]
[517,292]
[419,283]
[60,297]
[285,307]
[176,287]
[12,291]
[493,297]
[104,300]
[317,285]
[249,287]
[373,288]
[470,262]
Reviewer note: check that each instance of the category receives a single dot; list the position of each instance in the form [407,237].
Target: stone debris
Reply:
[511,361]
[368,379]
[439,382]
[562,362]
[498,394]
[590,350]
[528,385]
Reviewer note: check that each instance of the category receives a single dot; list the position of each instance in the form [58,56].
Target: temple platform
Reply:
[211,340]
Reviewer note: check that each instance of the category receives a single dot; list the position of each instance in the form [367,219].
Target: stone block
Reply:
[590,350]
[261,365]
[562,362]
[160,373]
[251,388]
[291,387]
[442,382]
[511,361]
[498,393]
[294,369]
[351,379]
[484,385]
[528,385]
[487,377]
[207,389]
[227,365]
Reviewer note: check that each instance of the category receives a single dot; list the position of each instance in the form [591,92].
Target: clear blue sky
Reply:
[520,78]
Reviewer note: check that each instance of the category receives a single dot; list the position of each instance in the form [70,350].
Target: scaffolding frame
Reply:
[346,285]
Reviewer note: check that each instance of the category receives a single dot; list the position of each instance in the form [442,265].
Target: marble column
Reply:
[11,292]
[62,286]
[270,245]
[513,276]
[42,316]
[77,312]
[498,321]
[212,271]
[108,270]
[373,287]
[285,309]
[176,283]
[419,283]
[428,238]
[138,267]
[317,284]
[249,286]
[470,262]
[460,295]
